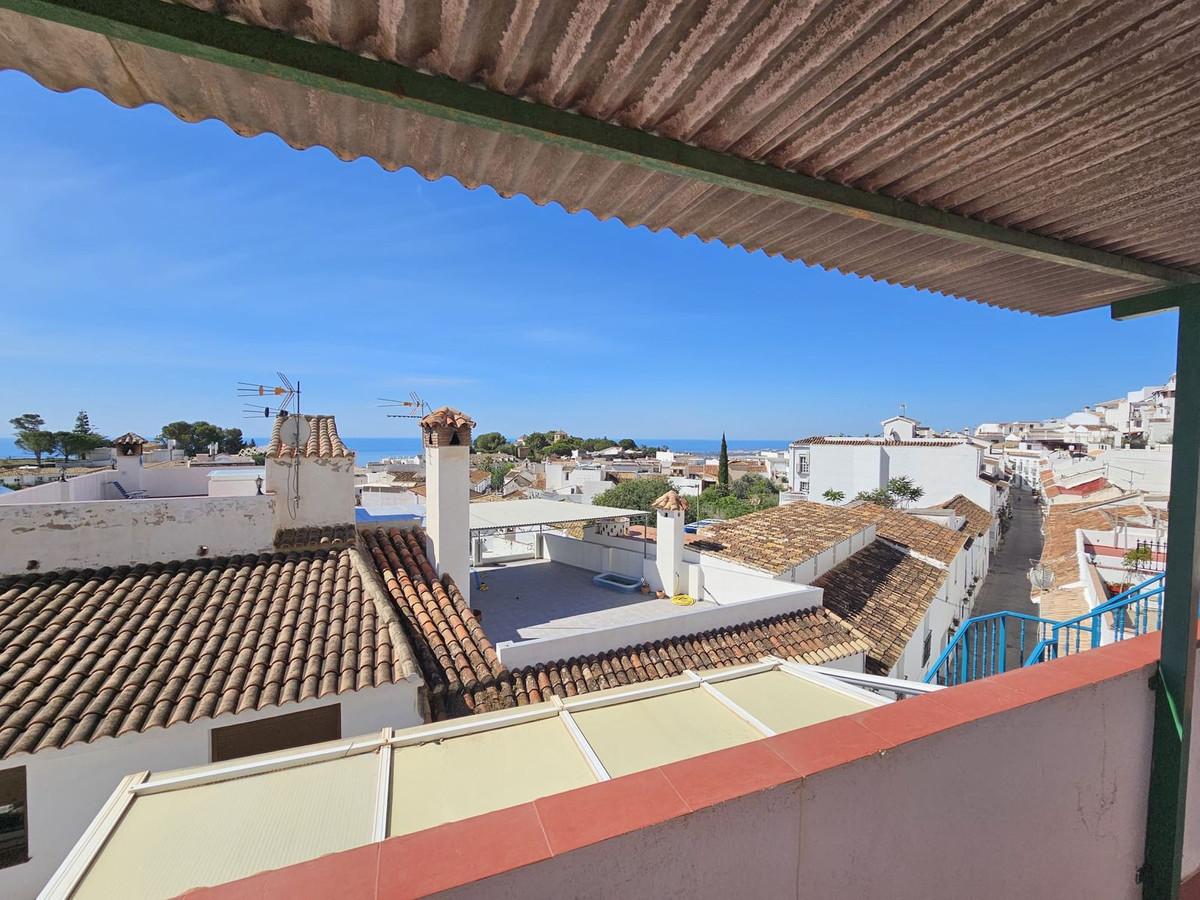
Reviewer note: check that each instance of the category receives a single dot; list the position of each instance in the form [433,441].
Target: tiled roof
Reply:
[880,442]
[478,475]
[462,672]
[327,537]
[812,636]
[323,440]
[1058,549]
[917,534]
[776,539]
[979,520]
[103,653]
[884,593]
[129,437]
[670,502]
[445,417]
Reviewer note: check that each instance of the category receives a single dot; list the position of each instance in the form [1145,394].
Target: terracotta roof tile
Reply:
[447,418]
[671,502]
[777,539]
[328,537]
[99,653]
[462,672]
[884,593]
[1058,549]
[812,636]
[323,440]
[917,534]
[979,520]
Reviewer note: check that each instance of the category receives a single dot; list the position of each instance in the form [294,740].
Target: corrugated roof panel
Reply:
[1076,120]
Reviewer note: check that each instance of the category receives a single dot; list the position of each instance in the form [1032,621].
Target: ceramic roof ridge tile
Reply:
[323,440]
[671,502]
[447,417]
[188,642]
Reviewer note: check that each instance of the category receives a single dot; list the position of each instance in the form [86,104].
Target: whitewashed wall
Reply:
[123,532]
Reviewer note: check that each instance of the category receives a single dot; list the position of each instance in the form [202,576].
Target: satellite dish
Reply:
[1041,577]
[293,431]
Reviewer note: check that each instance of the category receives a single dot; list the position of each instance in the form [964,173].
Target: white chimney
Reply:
[669,539]
[446,434]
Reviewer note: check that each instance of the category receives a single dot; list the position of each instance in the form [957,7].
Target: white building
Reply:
[941,467]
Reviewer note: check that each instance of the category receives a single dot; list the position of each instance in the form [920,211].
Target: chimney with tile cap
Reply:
[672,511]
[446,434]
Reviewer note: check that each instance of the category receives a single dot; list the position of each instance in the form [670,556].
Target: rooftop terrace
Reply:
[531,599]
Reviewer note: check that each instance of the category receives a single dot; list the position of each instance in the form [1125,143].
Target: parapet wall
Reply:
[124,532]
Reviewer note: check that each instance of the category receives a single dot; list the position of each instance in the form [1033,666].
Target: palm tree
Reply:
[834,496]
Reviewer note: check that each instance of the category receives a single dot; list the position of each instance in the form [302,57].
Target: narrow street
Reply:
[1007,585]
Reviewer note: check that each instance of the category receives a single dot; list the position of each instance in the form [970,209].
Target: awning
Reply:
[516,514]
[1029,155]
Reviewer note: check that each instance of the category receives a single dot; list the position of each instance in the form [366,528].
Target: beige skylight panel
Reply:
[784,702]
[630,737]
[210,834]
[466,776]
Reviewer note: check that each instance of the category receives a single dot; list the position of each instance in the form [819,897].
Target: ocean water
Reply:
[372,449]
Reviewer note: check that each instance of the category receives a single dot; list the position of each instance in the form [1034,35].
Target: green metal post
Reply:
[1176,668]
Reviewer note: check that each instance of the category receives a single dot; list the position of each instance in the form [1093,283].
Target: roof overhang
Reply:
[350,81]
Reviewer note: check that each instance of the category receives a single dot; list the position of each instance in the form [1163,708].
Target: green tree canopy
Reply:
[489,441]
[73,443]
[83,425]
[37,442]
[499,470]
[879,496]
[627,444]
[195,437]
[27,422]
[637,494]
[30,435]
[903,489]
[723,464]
[751,485]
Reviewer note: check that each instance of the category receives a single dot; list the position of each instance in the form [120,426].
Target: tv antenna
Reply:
[419,408]
[280,401]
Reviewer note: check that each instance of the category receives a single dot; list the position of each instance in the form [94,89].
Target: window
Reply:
[277,733]
[14,819]
[925,650]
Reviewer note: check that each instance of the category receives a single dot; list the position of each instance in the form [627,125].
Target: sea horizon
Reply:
[372,448]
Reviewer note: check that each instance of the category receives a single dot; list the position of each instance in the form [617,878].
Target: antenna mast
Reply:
[278,401]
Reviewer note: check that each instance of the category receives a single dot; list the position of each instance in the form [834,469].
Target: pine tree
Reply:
[82,424]
[723,464]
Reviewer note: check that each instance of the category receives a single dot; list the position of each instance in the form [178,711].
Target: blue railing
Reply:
[1128,614]
[991,644]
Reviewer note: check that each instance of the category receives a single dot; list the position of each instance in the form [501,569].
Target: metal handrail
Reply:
[980,647]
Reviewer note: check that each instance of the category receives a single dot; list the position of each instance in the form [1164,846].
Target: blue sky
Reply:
[148,265]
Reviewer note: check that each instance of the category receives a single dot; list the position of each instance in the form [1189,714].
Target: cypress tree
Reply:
[723,464]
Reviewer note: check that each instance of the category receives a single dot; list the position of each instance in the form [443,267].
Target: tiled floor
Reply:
[538,598]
